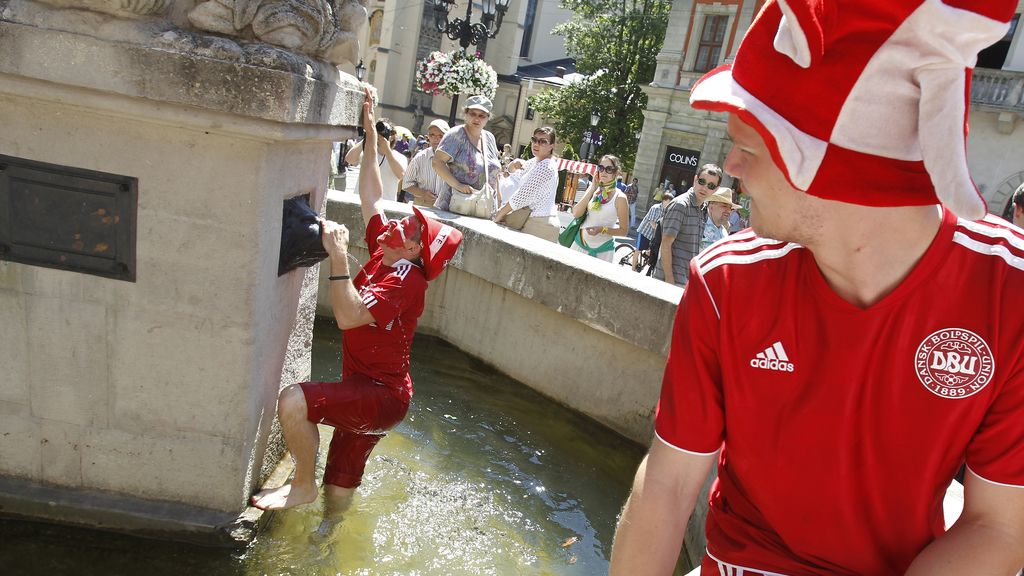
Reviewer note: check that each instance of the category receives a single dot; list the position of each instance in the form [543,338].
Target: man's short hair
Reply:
[1018,197]
[545,130]
[711,169]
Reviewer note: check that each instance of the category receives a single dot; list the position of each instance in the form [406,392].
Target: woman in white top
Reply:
[607,212]
[535,183]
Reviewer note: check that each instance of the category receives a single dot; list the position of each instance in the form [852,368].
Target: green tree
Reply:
[615,44]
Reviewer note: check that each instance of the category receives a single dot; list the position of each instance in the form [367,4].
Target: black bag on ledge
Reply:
[300,236]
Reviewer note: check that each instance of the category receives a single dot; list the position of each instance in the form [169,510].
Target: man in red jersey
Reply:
[377,311]
[842,361]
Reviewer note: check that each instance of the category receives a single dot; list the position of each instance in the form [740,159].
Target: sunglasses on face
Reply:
[539,141]
[606,169]
[706,184]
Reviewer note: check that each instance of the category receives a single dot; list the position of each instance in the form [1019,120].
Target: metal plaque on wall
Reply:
[68,218]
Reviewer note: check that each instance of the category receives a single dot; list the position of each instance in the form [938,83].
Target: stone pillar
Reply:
[648,157]
[670,58]
[148,404]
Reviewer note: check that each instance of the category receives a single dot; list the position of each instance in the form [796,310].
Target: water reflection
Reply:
[483,477]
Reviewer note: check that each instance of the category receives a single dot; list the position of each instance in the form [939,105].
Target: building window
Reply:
[530,113]
[376,23]
[995,55]
[711,39]
[531,15]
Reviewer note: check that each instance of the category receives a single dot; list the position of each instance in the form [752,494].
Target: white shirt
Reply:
[388,179]
[421,173]
[534,186]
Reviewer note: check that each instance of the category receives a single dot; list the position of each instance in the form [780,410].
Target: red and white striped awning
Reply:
[576,167]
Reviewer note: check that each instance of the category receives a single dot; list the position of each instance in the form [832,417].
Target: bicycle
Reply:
[624,257]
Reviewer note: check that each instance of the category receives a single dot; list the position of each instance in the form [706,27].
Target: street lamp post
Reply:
[591,138]
[466,33]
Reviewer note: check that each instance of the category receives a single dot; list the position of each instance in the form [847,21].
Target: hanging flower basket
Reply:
[455,73]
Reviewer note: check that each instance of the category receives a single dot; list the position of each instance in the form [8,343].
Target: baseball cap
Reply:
[874,110]
[667,195]
[480,103]
[440,125]
[440,242]
[723,196]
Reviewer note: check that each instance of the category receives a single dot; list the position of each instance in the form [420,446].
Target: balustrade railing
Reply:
[1000,89]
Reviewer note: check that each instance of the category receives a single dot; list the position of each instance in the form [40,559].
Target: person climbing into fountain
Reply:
[377,310]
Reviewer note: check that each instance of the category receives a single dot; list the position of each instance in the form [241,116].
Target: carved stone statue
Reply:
[328,29]
[123,8]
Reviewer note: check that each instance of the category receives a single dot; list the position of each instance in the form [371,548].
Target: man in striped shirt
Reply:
[420,179]
[683,225]
[645,232]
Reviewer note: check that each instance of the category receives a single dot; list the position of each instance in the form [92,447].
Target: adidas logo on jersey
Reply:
[773,358]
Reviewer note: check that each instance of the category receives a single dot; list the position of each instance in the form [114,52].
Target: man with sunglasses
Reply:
[377,309]
[840,362]
[683,226]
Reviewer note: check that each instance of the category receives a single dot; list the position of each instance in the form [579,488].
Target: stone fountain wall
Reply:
[147,402]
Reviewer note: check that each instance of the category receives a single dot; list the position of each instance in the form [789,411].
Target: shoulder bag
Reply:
[572,230]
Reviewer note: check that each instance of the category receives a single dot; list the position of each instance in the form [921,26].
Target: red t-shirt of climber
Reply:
[394,296]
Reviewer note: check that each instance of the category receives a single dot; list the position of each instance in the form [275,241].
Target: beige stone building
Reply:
[703,34]
[524,54]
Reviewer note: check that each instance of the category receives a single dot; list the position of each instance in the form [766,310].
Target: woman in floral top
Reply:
[459,158]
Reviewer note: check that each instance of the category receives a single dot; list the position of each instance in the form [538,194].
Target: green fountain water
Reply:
[483,477]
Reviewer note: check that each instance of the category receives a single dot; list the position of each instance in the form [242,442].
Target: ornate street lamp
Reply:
[492,12]
[465,33]
[360,71]
[591,138]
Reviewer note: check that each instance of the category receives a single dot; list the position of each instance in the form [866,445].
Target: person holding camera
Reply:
[460,158]
[390,162]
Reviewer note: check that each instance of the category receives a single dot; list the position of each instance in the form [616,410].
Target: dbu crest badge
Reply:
[954,363]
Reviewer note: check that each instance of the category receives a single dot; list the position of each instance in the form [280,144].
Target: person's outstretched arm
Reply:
[371,190]
[352,156]
[650,533]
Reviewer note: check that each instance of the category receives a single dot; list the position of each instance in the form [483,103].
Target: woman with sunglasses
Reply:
[607,212]
[534,185]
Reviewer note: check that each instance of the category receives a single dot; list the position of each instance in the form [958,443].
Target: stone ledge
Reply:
[613,300]
[313,93]
[116,512]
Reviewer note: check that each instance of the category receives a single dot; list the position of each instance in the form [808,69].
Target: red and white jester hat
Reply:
[863,101]
[440,241]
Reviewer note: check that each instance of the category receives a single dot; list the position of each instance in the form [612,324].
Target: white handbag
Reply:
[480,203]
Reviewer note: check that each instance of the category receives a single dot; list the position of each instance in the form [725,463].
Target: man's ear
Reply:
[414,251]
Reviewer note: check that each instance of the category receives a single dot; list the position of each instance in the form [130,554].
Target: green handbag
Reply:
[572,230]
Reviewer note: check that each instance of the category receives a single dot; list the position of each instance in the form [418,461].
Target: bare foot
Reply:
[284,497]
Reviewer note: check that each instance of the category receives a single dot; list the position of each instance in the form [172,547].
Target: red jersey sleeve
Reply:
[996,452]
[374,227]
[690,415]
[389,297]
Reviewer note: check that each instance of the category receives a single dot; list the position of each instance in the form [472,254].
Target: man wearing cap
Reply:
[841,361]
[467,157]
[420,179]
[683,225]
[377,310]
[719,207]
